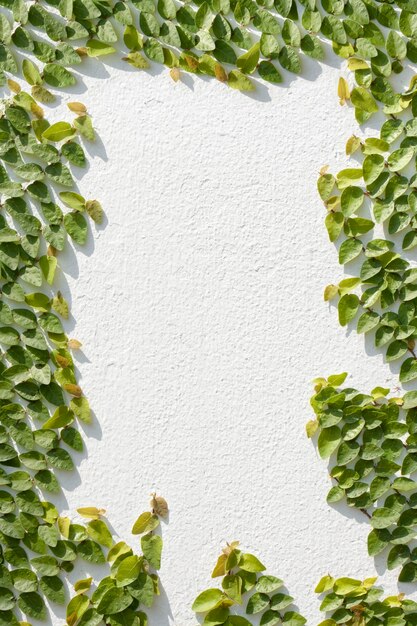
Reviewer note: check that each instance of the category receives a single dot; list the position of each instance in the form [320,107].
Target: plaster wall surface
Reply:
[200,307]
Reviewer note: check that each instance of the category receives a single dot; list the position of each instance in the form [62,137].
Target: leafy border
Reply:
[237,42]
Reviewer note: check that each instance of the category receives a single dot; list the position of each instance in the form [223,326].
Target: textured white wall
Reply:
[199,304]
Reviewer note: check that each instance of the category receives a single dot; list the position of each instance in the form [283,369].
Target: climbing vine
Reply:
[242,573]
[371,441]
[343,600]
[237,42]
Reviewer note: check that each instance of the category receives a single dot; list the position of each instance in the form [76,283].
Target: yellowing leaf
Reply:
[74,390]
[94,210]
[330,292]
[343,90]
[83,585]
[175,74]
[74,344]
[13,85]
[136,60]
[352,145]
[237,80]
[145,523]
[159,505]
[220,567]
[311,428]
[220,73]
[357,64]
[58,132]
[91,512]
[60,305]
[77,107]
[64,524]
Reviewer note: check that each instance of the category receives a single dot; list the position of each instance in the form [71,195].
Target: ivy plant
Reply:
[356,602]
[238,42]
[244,584]
[371,441]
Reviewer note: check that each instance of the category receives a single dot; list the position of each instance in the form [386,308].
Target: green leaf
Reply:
[290,60]
[349,250]
[114,601]
[58,76]
[334,225]
[328,441]
[408,573]
[76,226]
[410,400]
[362,99]
[257,603]
[250,563]
[53,588]
[232,585]
[351,200]
[281,601]
[84,126]
[58,132]
[270,618]
[31,73]
[73,200]
[96,48]
[237,80]
[269,72]
[400,158]
[247,62]
[347,308]
[268,584]
[61,418]
[91,552]
[346,586]
[31,604]
[396,46]
[152,549]
[207,600]
[98,531]
[146,522]
[128,570]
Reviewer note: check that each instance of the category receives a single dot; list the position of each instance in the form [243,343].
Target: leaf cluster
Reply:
[371,441]
[244,584]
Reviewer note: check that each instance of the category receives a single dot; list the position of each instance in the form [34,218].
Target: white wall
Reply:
[200,308]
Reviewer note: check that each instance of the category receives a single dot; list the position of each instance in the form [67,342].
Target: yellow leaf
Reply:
[74,390]
[220,567]
[357,64]
[60,305]
[83,585]
[175,74]
[14,86]
[333,202]
[91,512]
[311,428]
[37,110]
[74,344]
[330,292]
[343,90]
[352,145]
[64,524]
[220,73]
[77,107]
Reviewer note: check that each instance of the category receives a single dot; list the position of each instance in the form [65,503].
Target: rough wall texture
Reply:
[199,304]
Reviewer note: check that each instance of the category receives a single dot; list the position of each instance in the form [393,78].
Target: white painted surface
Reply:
[200,308]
